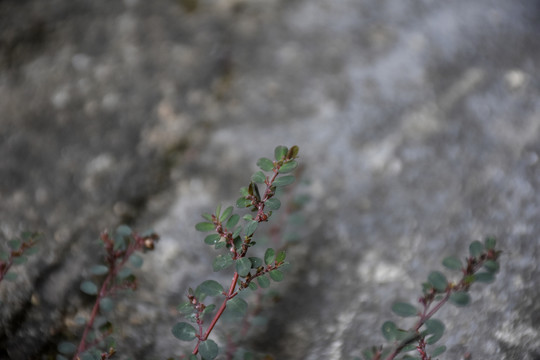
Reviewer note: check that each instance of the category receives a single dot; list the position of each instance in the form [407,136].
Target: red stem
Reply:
[230,294]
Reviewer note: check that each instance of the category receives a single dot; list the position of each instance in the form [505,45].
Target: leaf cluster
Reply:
[114,274]
[481,266]
[20,248]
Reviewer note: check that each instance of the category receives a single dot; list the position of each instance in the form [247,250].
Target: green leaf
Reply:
[438,280]
[19,260]
[136,261]
[99,270]
[276,275]
[438,351]
[284,180]
[66,348]
[389,330]
[484,277]
[207,216]
[14,244]
[281,256]
[237,232]
[208,309]
[237,307]
[265,164]
[434,327]
[288,167]
[269,256]
[218,210]
[252,286]
[404,309]
[222,262]
[280,152]
[243,202]
[243,266]
[123,230]
[106,304]
[490,243]
[11,276]
[272,204]
[452,263]
[124,273]
[476,248]
[208,349]
[210,288]
[251,227]
[184,331]
[255,262]
[233,220]
[460,298]
[491,266]
[89,288]
[263,281]
[293,152]
[185,308]
[258,177]
[205,226]
[212,239]
[61,357]
[228,211]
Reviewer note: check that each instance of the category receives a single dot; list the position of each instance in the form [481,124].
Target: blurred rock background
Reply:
[418,125]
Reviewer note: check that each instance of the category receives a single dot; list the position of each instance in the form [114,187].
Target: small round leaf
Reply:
[208,349]
[265,164]
[272,204]
[184,331]
[389,330]
[404,309]
[460,298]
[276,275]
[484,277]
[106,304]
[491,266]
[269,256]
[280,152]
[233,220]
[222,261]
[66,348]
[258,177]
[205,226]
[438,280]
[288,167]
[210,288]
[251,227]
[490,243]
[263,281]
[476,248]
[136,261]
[452,263]
[89,288]
[284,180]
[228,211]
[243,266]
[99,269]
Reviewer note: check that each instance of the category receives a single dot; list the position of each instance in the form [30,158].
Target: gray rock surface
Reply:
[418,123]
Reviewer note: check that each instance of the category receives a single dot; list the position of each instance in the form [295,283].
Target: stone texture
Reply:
[418,124]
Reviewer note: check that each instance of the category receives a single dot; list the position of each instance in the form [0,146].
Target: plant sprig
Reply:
[236,240]
[19,250]
[480,267]
[120,249]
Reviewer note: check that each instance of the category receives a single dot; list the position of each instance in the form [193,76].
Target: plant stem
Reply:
[230,294]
